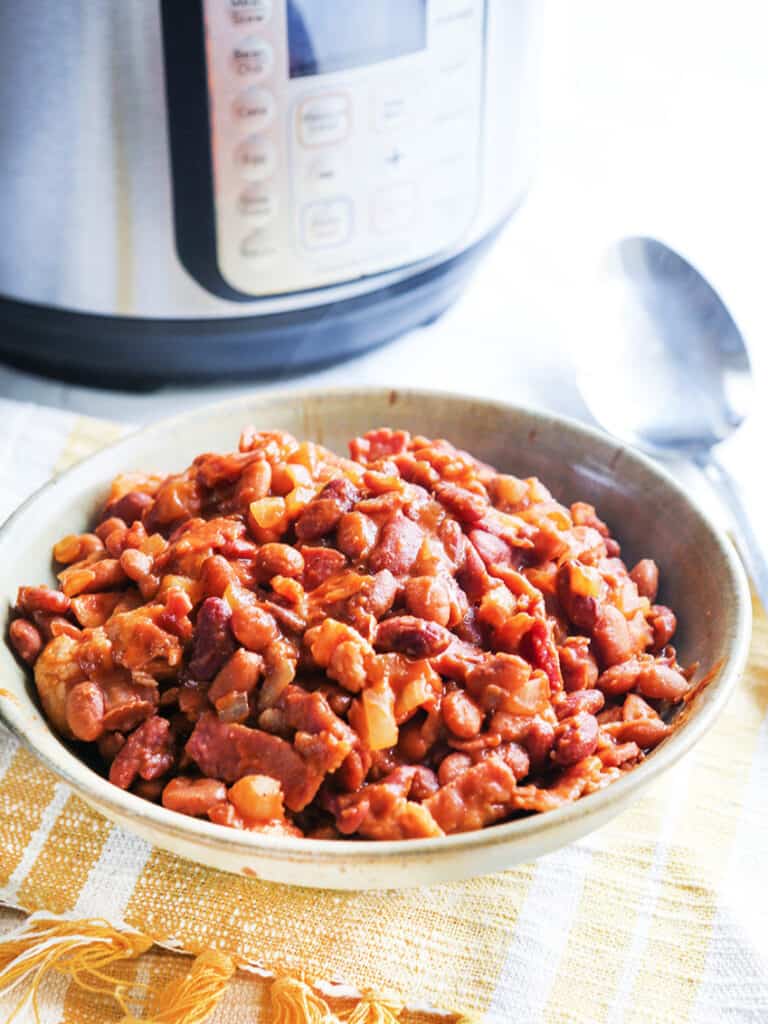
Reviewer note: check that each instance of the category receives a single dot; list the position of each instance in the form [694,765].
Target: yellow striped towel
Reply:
[659,916]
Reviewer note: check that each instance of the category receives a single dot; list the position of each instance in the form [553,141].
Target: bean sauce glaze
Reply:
[400,644]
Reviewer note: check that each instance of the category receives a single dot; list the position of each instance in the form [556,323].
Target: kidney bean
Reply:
[25,640]
[578,667]
[355,535]
[611,637]
[193,796]
[427,597]
[417,638]
[570,704]
[213,643]
[130,507]
[663,622]
[645,575]
[320,564]
[538,741]
[662,682]
[324,512]
[85,711]
[42,599]
[461,715]
[398,546]
[575,738]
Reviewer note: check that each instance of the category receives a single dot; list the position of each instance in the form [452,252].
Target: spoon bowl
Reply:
[672,373]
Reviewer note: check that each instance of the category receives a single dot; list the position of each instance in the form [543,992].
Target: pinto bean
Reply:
[25,639]
[193,796]
[465,505]
[417,638]
[130,507]
[570,704]
[42,599]
[575,738]
[620,678]
[611,636]
[452,766]
[278,560]
[662,682]
[645,575]
[85,711]
[355,535]
[76,547]
[663,622]
[461,715]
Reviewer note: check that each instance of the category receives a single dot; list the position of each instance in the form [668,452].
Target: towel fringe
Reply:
[189,1000]
[81,950]
[86,950]
[295,1002]
[371,1010]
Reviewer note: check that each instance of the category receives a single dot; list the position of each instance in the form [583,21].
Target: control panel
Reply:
[345,137]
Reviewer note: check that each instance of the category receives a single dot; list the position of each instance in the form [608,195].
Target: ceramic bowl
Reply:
[650,514]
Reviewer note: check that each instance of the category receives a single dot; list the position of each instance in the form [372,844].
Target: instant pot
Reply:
[200,187]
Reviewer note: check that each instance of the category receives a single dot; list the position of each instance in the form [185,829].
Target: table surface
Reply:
[652,123]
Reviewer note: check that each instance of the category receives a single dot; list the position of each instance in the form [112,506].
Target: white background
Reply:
[654,120]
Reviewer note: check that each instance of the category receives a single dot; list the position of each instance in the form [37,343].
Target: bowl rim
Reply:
[599,805]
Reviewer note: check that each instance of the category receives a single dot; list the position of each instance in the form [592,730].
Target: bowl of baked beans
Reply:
[365,638]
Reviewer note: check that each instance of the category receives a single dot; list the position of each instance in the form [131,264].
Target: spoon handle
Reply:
[750,547]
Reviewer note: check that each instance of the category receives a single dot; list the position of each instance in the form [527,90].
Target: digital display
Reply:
[331,35]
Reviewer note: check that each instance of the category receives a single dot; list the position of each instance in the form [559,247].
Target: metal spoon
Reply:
[673,375]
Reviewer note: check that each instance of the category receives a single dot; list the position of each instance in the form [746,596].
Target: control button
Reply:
[392,108]
[258,248]
[257,204]
[326,223]
[324,171]
[324,119]
[256,158]
[394,207]
[257,107]
[251,12]
[254,57]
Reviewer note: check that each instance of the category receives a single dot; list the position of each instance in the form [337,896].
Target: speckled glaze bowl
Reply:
[701,576]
